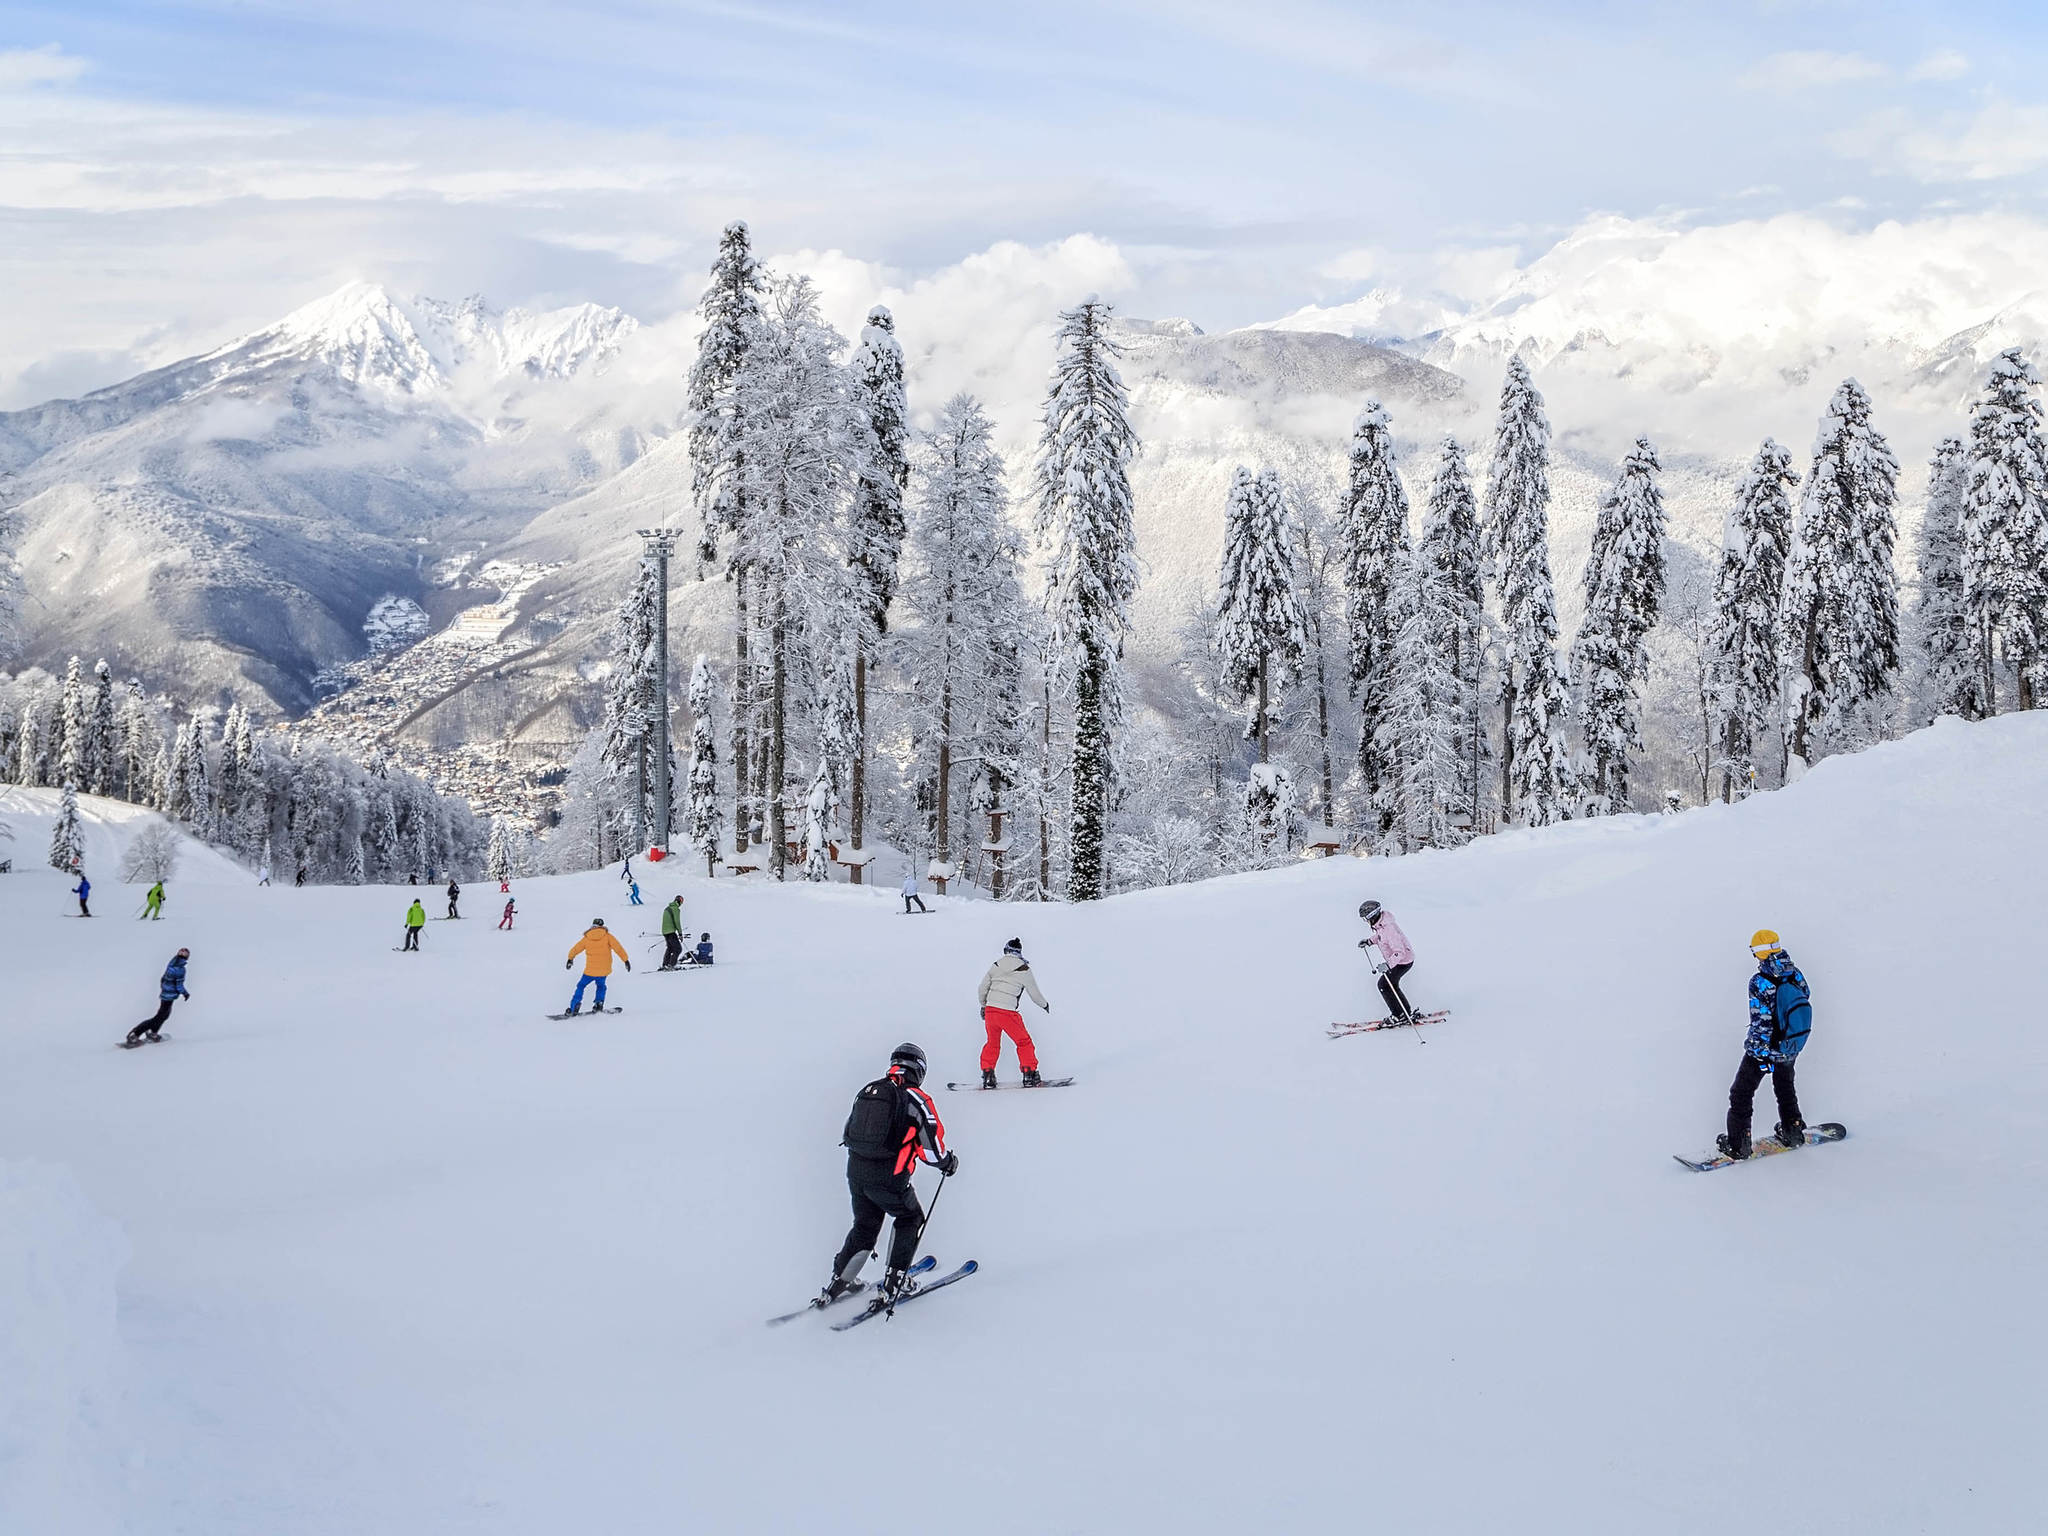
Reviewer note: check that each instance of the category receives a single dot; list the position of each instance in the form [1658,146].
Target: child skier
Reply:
[82,890]
[1396,958]
[672,934]
[702,954]
[153,903]
[415,920]
[1780,1014]
[169,990]
[454,895]
[511,907]
[597,947]
[1002,989]
[894,1127]
[633,894]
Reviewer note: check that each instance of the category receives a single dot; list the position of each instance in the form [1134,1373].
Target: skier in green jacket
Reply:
[415,920]
[672,934]
[153,903]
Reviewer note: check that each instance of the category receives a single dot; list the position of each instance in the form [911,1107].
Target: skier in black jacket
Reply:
[454,895]
[893,1128]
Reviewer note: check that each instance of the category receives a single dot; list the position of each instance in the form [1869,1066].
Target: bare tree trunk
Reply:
[1507,748]
[1262,707]
[1990,671]
[857,813]
[1323,730]
[1044,796]
[1803,721]
[778,855]
[945,795]
[995,833]
[742,707]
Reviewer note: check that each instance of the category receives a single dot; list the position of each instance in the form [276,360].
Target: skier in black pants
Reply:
[1780,1016]
[169,990]
[82,890]
[893,1128]
[454,895]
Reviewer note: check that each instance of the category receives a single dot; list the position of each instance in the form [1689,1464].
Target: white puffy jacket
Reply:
[1007,981]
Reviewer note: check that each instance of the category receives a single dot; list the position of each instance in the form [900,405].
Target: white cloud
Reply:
[1942,64]
[1807,69]
[2000,139]
[49,65]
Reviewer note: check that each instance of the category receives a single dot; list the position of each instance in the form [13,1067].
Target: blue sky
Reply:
[179,171]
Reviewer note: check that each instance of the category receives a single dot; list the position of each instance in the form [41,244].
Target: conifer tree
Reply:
[1536,774]
[731,307]
[1951,675]
[818,826]
[629,698]
[1425,705]
[498,855]
[1624,591]
[138,744]
[702,818]
[1259,618]
[67,837]
[1749,597]
[1373,536]
[2005,531]
[1451,545]
[961,594]
[197,788]
[877,527]
[1083,492]
[1841,628]
[98,756]
[74,714]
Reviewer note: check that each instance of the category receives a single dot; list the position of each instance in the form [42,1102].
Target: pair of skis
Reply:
[881,1306]
[1413,1021]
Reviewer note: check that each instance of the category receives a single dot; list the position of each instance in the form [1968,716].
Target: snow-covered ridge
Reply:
[373,338]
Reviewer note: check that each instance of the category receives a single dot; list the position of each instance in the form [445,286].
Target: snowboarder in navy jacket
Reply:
[1765,1051]
[169,990]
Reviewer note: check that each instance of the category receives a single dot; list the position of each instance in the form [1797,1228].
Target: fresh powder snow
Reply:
[371,1245]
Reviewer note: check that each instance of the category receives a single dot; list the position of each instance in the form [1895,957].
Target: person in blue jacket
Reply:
[82,890]
[702,955]
[1780,1014]
[169,990]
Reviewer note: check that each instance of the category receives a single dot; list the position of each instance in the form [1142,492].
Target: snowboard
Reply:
[129,1045]
[1766,1146]
[1050,1082]
[1436,1016]
[585,1014]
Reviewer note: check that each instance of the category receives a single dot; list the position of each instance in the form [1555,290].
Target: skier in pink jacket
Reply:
[1396,957]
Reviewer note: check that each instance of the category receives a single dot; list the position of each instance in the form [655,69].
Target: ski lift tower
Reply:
[661,544]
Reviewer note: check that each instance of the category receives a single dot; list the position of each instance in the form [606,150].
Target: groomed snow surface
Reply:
[373,1247]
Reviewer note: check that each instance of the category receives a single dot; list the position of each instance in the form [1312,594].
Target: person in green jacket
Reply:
[672,934]
[415,920]
[153,903]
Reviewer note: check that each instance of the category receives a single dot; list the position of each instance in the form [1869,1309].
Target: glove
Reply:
[1047,1007]
[950,1164]
[567,963]
[629,965]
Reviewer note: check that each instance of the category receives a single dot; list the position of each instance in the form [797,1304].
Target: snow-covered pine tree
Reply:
[1317,570]
[818,826]
[1451,545]
[98,756]
[2005,532]
[139,744]
[197,787]
[67,837]
[961,596]
[630,702]
[1841,626]
[1536,772]
[731,307]
[1610,659]
[1083,492]
[1259,619]
[1749,597]
[877,528]
[498,854]
[1425,706]
[1373,535]
[75,715]
[805,447]
[1951,672]
[702,818]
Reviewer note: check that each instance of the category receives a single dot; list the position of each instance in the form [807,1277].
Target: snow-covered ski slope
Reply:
[404,1257]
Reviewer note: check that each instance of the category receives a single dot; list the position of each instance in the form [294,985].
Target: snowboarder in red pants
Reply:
[1002,989]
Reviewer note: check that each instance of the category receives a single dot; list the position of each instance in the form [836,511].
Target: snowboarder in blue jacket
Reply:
[169,990]
[1779,1016]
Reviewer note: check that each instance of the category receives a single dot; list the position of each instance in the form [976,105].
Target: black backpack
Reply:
[880,1121]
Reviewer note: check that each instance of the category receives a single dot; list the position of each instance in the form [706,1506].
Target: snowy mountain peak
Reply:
[374,339]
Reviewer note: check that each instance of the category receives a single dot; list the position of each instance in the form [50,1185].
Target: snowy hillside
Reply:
[402,1255]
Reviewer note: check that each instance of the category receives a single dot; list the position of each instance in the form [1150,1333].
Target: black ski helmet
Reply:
[1369,910]
[911,1060]
[597,922]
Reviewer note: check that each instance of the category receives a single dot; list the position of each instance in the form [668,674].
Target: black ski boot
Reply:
[1736,1150]
[1790,1135]
[988,1077]
[1032,1079]
[835,1288]
[896,1285]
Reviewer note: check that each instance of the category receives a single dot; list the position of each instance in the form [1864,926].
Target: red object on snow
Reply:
[655,855]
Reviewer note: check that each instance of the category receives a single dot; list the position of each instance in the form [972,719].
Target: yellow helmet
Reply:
[1764,942]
